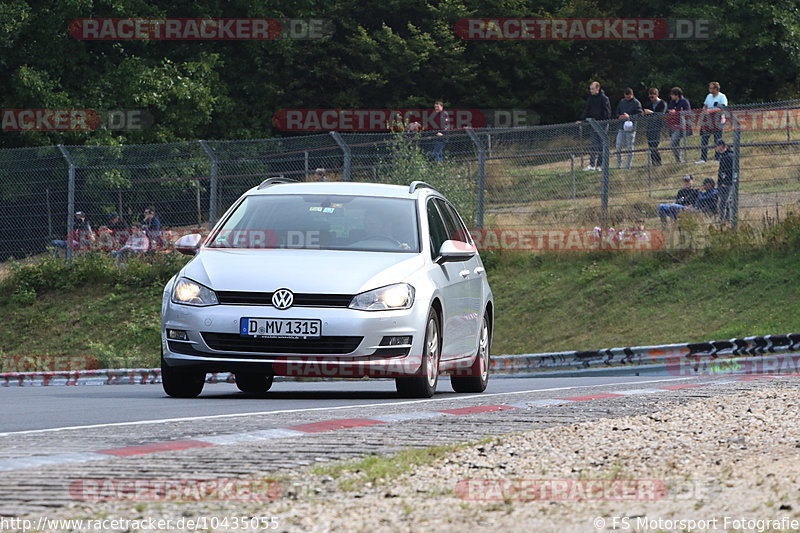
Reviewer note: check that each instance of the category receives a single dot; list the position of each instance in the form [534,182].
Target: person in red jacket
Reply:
[679,120]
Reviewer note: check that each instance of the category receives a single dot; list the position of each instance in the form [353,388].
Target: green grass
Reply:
[91,307]
[553,303]
[380,469]
[747,284]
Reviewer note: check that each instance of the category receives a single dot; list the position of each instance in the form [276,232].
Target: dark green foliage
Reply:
[393,54]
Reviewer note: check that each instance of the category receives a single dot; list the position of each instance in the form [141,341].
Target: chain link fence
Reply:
[533,177]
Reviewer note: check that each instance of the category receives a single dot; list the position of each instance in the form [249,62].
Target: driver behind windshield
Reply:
[386,224]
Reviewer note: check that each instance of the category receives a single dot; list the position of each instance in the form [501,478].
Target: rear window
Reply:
[324,222]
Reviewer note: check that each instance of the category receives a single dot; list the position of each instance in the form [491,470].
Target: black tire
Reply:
[424,385]
[180,383]
[253,383]
[479,372]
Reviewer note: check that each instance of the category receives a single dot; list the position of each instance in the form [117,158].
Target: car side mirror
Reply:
[456,251]
[188,244]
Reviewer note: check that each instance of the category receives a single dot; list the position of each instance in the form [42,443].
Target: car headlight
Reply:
[188,292]
[398,296]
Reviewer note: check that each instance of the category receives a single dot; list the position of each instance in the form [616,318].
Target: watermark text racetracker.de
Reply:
[199,29]
[47,363]
[567,239]
[571,490]
[400,119]
[74,119]
[582,29]
[174,490]
[512,239]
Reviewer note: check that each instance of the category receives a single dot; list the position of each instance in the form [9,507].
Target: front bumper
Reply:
[350,344]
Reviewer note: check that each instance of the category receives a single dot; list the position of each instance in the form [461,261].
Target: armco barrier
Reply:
[683,355]
[122,376]
[644,355]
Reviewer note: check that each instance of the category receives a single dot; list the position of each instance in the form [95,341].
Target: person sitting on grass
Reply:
[151,224]
[138,243]
[80,238]
[636,233]
[707,198]
[119,228]
[685,199]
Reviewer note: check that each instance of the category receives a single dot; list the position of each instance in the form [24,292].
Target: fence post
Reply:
[481,174]
[212,200]
[305,165]
[345,152]
[737,142]
[49,215]
[602,132]
[70,198]
[572,172]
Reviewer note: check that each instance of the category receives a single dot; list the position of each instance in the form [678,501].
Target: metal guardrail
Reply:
[682,353]
[752,354]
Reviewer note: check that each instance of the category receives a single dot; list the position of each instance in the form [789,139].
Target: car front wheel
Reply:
[180,383]
[424,385]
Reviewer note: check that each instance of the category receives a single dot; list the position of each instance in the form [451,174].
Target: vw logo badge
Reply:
[282,299]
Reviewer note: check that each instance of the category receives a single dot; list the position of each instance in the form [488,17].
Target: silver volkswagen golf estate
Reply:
[330,279]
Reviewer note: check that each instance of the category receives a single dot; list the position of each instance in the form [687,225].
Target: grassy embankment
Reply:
[545,302]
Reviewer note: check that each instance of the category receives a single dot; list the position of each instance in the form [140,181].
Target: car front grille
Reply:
[300,299]
[329,345]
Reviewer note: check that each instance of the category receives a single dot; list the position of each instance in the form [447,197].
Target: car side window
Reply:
[449,223]
[459,232]
[436,226]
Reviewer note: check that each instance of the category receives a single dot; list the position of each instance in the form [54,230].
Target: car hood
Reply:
[303,271]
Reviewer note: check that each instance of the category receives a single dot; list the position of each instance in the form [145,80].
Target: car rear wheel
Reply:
[180,383]
[253,383]
[478,374]
[424,385]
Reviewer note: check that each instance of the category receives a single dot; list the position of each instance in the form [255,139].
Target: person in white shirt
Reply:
[712,120]
[137,243]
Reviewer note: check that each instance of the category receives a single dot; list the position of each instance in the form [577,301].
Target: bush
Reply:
[23,283]
[408,162]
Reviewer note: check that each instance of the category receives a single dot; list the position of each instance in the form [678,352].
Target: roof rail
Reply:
[274,181]
[417,184]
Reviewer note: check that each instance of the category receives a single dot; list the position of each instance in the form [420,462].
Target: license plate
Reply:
[287,328]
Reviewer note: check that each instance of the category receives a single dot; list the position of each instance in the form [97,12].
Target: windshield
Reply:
[323,222]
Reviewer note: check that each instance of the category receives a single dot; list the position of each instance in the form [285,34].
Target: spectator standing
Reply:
[686,198]
[724,179]
[441,119]
[80,235]
[598,107]
[627,109]
[678,120]
[712,120]
[655,109]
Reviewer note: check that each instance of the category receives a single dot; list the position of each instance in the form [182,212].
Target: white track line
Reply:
[335,408]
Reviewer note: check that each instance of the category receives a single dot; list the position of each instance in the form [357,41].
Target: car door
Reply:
[467,321]
[449,278]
